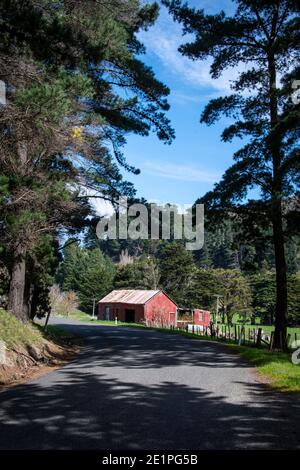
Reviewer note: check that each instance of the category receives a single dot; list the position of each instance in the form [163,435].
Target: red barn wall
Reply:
[201,317]
[159,311]
[119,310]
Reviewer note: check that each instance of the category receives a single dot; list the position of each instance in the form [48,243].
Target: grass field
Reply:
[267,328]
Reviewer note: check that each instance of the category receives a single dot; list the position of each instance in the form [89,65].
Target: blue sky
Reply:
[189,167]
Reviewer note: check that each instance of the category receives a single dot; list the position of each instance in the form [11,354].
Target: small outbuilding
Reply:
[153,307]
[201,317]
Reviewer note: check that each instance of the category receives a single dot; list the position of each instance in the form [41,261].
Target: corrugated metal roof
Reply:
[129,296]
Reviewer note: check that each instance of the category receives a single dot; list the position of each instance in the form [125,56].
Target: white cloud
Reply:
[163,41]
[181,172]
[102,207]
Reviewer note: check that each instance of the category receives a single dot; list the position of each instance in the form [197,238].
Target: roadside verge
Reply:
[27,351]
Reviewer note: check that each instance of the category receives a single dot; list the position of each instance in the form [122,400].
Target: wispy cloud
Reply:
[181,172]
[163,41]
[185,98]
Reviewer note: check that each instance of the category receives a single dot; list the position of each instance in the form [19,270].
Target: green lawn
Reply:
[266,329]
[269,328]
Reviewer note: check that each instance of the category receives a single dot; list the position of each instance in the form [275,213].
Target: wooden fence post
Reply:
[243,332]
[271,341]
[258,340]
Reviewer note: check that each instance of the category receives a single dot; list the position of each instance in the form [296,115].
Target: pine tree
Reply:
[264,36]
[76,88]
[95,275]
[177,268]
[67,275]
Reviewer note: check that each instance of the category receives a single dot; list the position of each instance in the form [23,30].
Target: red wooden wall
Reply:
[201,317]
[158,311]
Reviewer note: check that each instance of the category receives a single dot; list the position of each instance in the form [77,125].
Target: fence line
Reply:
[235,333]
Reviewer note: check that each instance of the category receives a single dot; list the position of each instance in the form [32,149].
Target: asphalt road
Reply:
[139,389]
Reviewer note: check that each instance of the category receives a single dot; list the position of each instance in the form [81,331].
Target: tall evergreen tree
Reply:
[75,88]
[177,269]
[96,274]
[264,36]
[69,270]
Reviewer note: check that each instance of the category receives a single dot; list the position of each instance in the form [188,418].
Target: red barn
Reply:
[201,317]
[154,307]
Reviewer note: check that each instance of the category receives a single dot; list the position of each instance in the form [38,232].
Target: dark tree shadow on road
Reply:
[78,408]
[141,348]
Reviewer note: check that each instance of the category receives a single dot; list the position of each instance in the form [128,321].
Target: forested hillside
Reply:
[243,276]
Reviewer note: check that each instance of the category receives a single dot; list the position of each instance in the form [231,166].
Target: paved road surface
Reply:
[139,389]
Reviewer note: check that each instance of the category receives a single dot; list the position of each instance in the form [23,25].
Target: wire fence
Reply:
[238,334]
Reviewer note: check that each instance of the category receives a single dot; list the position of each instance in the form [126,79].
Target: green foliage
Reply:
[177,269]
[236,295]
[264,37]
[4,188]
[96,278]
[68,272]
[78,86]
[204,289]
[52,101]
[140,274]
[294,298]
[88,273]
[263,287]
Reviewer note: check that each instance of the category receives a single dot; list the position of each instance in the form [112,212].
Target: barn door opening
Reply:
[129,315]
[106,313]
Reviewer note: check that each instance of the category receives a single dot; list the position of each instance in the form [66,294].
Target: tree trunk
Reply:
[17,285]
[280,334]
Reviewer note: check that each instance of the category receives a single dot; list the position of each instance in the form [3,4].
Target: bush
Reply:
[63,303]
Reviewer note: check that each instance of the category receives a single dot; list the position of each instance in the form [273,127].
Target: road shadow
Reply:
[83,407]
[141,348]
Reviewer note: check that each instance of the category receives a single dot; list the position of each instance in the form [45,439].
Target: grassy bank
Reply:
[13,332]
[276,367]
[27,350]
